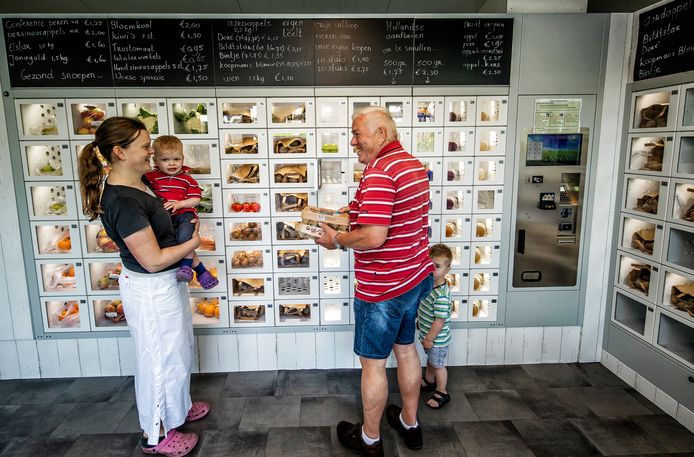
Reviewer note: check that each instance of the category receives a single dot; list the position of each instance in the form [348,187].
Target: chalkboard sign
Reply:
[462,51]
[263,52]
[161,52]
[665,43]
[363,51]
[57,52]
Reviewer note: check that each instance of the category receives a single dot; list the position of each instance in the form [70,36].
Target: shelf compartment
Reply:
[647,197]
[455,228]
[248,232]
[460,110]
[648,154]
[334,312]
[358,103]
[482,308]
[641,236]
[639,277]
[487,199]
[333,173]
[400,109]
[489,171]
[55,240]
[294,143]
[633,314]
[246,143]
[95,242]
[51,201]
[490,141]
[202,157]
[458,281]
[683,162]
[433,168]
[686,121]
[427,142]
[216,265]
[300,258]
[251,287]
[333,260]
[248,174]
[679,247]
[290,112]
[457,200]
[459,308]
[458,171]
[682,202]
[44,119]
[459,141]
[333,143]
[428,111]
[297,312]
[675,336]
[211,203]
[46,161]
[486,228]
[251,313]
[677,293]
[212,237]
[290,202]
[484,282]
[85,115]
[332,112]
[296,286]
[107,314]
[492,110]
[64,316]
[333,198]
[335,285]
[242,113]
[193,118]
[291,173]
[60,278]
[209,310]
[434,229]
[485,254]
[654,110]
[151,112]
[102,276]
[246,203]
[285,230]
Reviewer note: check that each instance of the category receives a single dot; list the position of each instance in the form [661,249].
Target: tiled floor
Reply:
[540,410]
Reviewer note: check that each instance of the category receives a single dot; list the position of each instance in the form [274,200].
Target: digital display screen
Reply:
[553,149]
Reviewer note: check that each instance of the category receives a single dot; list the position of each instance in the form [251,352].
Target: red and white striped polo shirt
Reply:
[180,186]
[393,191]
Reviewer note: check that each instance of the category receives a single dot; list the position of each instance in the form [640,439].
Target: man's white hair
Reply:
[377,116]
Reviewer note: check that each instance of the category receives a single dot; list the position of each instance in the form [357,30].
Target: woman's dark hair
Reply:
[114,131]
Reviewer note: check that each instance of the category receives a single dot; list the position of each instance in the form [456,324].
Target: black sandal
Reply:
[428,387]
[440,400]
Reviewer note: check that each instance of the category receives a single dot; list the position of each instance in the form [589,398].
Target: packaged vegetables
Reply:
[193,121]
[150,120]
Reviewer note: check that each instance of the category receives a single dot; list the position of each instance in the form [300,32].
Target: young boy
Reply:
[434,316]
[171,182]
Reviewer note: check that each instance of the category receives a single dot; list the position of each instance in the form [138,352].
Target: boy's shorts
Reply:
[436,356]
[183,227]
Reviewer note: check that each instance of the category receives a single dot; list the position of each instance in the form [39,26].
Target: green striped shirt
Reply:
[437,305]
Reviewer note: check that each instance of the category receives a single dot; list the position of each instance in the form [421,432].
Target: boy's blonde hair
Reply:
[167,143]
[441,250]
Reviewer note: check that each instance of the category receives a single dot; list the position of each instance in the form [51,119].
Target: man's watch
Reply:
[338,245]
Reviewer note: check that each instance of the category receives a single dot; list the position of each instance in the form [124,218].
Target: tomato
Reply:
[255,207]
[247,207]
[236,207]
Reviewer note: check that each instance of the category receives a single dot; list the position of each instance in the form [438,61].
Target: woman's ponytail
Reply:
[92,175]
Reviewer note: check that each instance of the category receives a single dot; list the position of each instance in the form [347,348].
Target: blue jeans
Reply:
[379,325]
[181,224]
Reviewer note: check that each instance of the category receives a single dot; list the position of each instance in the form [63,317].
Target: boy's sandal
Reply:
[440,398]
[176,444]
[207,281]
[199,410]
[428,386]
[184,274]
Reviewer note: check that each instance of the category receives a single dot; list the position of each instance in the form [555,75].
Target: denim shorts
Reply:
[379,325]
[436,356]
[181,224]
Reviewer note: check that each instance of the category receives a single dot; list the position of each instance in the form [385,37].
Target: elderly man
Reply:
[388,232]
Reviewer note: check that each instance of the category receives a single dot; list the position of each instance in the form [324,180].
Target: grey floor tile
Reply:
[110,445]
[225,413]
[302,382]
[7,386]
[207,386]
[556,375]
[33,447]
[268,412]
[667,431]
[439,441]
[390,445]
[93,418]
[130,422]
[499,405]
[328,410]
[457,410]
[645,402]
[91,390]
[237,443]
[554,438]
[298,442]
[464,378]
[250,384]
[36,391]
[126,391]
[344,381]
[34,420]
[505,377]
[617,436]
[491,438]
[554,403]
[608,401]
[599,376]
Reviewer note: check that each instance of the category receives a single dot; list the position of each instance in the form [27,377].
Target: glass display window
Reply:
[293,173]
[405,138]
[242,113]
[461,255]
[96,242]
[107,314]
[460,110]
[675,335]
[641,236]
[335,285]
[682,202]
[69,315]
[84,116]
[356,171]
[647,197]
[458,281]
[459,306]
[637,276]
[252,313]
[490,141]
[649,154]
[297,312]
[677,293]
[216,265]
[435,193]
[211,202]
[687,118]
[249,173]
[428,110]
[455,228]
[492,110]
[331,198]
[333,260]
[288,202]
[246,203]
[211,237]
[487,199]
[41,119]
[633,314]
[484,282]
[248,232]
[286,231]
[333,173]
[490,170]
[290,112]
[293,143]
[209,310]
[251,286]
[291,286]
[654,110]
[334,312]
[52,240]
[484,255]
[456,200]
[357,103]
[486,228]
[244,260]
[51,201]
[458,171]
[76,148]
[303,258]
[678,247]
[60,278]
[202,157]
[333,142]
[482,308]
[102,276]
[434,230]
[151,112]
[458,141]
[434,170]
[683,161]
[191,118]
[244,143]
[400,109]
[46,161]
[332,112]
[427,142]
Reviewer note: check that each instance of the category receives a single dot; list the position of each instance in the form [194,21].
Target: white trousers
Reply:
[158,312]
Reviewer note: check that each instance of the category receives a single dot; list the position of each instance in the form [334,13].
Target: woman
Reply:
[156,305]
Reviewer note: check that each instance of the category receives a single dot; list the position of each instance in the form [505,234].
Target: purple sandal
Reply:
[176,444]
[184,274]
[207,281]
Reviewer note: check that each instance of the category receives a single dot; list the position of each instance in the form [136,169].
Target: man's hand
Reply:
[326,239]
[172,205]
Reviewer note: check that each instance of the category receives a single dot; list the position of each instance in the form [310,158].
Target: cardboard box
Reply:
[311,216]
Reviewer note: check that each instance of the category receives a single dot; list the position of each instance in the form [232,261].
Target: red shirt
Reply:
[180,186]
[393,191]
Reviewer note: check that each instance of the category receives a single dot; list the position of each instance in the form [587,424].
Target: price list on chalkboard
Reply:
[57,52]
[263,52]
[363,51]
[462,51]
[161,52]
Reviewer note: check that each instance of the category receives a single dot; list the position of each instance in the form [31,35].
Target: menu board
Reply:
[665,40]
[57,52]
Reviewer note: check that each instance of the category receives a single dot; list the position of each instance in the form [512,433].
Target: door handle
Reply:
[521,241]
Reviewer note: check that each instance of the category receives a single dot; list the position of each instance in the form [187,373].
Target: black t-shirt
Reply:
[128,210]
